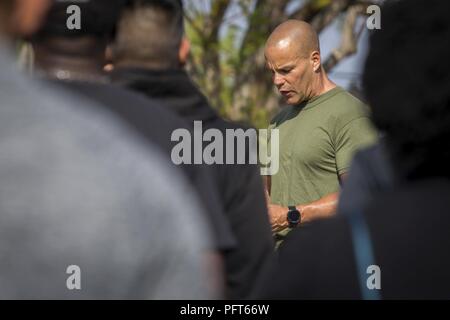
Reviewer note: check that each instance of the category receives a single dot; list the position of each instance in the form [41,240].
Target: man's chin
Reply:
[292,101]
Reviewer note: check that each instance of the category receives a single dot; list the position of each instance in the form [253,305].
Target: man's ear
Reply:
[109,58]
[27,16]
[316,61]
[184,50]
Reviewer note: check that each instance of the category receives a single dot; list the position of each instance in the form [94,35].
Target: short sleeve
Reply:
[355,135]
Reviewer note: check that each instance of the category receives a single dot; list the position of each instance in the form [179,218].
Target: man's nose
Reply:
[278,80]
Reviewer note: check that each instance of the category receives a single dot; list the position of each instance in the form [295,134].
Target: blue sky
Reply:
[349,69]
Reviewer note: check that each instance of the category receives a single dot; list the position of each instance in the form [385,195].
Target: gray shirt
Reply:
[78,189]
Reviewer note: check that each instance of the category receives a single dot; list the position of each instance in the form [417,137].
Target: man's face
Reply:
[291,73]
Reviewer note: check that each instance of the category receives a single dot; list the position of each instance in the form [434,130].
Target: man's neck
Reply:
[62,61]
[148,65]
[322,85]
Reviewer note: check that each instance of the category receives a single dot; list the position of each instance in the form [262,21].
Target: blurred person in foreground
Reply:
[319,131]
[149,56]
[74,60]
[397,247]
[78,189]
[370,174]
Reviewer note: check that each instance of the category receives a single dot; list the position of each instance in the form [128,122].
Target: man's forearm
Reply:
[322,208]
[267,183]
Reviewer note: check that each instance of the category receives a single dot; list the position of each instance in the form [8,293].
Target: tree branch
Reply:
[306,12]
[326,16]
[349,40]
[218,10]
[194,26]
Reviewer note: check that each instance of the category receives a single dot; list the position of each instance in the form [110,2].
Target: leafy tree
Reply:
[228,38]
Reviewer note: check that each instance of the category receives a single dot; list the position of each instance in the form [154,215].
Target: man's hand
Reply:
[322,208]
[278,217]
[277,214]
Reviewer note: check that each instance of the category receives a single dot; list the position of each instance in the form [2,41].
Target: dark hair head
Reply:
[151,31]
[407,83]
[98,18]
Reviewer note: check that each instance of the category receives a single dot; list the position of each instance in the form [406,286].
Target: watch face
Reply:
[294,216]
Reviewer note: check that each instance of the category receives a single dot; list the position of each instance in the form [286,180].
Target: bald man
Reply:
[319,130]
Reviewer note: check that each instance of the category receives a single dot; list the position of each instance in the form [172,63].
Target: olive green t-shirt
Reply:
[317,140]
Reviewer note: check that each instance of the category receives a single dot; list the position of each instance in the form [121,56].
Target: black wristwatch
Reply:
[293,217]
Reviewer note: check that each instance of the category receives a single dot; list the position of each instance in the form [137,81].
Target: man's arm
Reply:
[323,208]
[267,183]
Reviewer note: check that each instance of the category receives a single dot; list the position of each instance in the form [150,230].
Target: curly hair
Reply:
[406,80]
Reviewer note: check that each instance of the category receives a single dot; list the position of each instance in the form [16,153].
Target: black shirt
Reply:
[240,185]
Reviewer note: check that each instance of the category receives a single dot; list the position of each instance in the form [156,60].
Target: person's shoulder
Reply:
[149,118]
[122,99]
[343,108]
[95,166]
[347,105]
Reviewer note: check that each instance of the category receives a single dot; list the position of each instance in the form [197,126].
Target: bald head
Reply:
[293,56]
[295,36]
